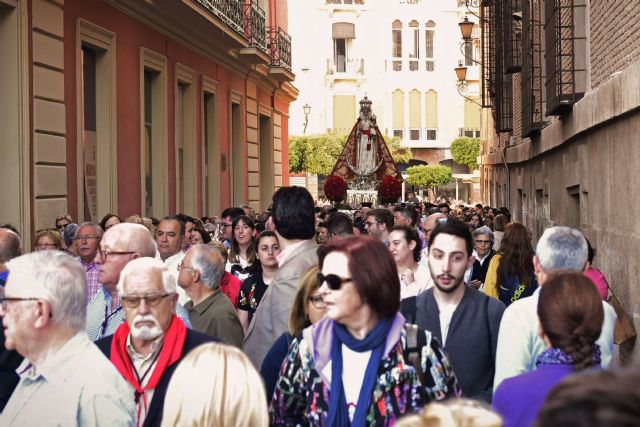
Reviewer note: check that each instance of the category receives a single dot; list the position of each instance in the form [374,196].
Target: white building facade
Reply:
[401,54]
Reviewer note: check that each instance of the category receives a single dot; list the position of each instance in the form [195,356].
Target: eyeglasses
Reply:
[181,267]
[132,301]
[61,226]
[104,253]
[333,280]
[317,301]
[223,225]
[87,237]
[4,301]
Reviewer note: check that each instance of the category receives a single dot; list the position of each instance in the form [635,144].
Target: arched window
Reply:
[431,103]
[397,104]
[414,47]
[396,44]
[415,115]
[428,44]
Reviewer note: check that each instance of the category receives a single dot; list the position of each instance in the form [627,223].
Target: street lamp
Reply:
[306,108]
[466,27]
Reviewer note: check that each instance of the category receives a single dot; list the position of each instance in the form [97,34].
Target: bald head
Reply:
[131,237]
[431,221]
[10,245]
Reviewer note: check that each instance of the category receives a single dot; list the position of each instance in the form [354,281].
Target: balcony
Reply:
[344,5]
[345,69]
[279,49]
[345,2]
[228,11]
[255,31]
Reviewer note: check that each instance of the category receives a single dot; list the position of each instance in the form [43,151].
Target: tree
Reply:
[429,175]
[318,154]
[465,151]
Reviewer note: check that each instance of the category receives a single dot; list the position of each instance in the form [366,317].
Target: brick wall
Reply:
[614,26]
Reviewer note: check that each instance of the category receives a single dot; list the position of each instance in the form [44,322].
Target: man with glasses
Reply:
[226,223]
[120,244]
[87,238]
[378,223]
[147,348]
[210,311]
[482,253]
[10,247]
[64,379]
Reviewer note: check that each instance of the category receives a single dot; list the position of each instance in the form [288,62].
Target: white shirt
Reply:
[74,386]
[172,265]
[421,282]
[519,344]
[446,313]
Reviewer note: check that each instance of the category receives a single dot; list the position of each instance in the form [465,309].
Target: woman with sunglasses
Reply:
[352,367]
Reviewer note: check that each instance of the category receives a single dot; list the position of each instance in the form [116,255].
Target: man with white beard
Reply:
[147,348]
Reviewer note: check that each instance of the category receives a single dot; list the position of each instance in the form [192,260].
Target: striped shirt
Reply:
[93,286]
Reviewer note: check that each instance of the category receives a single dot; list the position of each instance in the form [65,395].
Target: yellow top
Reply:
[491,280]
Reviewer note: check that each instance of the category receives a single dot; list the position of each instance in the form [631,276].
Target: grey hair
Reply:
[483,230]
[210,272]
[99,230]
[133,237]
[562,248]
[58,279]
[147,265]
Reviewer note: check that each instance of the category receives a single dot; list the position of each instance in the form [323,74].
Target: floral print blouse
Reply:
[301,396]
[252,291]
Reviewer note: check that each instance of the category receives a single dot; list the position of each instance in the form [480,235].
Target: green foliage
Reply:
[465,151]
[429,175]
[318,154]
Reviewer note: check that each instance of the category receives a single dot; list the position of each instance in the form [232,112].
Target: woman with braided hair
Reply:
[571,315]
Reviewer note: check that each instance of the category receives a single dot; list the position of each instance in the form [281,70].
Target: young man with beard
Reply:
[463,319]
[149,345]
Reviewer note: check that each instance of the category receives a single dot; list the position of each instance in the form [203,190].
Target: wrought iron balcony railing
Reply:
[279,48]
[345,1]
[345,66]
[228,11]
[255,25]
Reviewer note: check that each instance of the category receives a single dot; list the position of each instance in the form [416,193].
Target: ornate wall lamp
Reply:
[306,108]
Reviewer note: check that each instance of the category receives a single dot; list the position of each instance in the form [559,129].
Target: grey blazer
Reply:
[271,319]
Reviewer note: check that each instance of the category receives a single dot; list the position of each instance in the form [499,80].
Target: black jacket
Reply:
[480,271]
[154,415]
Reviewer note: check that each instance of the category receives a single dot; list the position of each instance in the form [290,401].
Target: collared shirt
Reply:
[519,344]
[103,321]
[93,286]
[469,272]
[216,317]
[144,367]
[172,264]
[74,386]
[282,256]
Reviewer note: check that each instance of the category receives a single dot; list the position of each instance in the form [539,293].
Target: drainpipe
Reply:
[506,166]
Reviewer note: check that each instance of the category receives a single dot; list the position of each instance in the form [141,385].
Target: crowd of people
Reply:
[416,314]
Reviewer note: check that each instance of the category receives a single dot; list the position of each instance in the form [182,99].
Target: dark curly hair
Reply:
[571,315]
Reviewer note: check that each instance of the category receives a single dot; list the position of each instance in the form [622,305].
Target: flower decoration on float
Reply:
[335,188]
[390,189]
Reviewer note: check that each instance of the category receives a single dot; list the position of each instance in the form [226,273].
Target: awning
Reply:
[343,30]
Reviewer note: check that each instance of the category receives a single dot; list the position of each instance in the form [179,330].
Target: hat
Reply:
[68,233]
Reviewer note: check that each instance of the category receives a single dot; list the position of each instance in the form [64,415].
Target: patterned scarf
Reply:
[556,356]
[170,352]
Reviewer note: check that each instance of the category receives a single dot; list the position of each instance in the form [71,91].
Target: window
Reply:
[89,136]
[468,53]
[210,146]
[340,54]
[238,156]
[414,49]
[428,43]
[185,140]
[415,114]
[344,112]
[396,44]
[431,103]
[432,134]
[398,133]
[397,105]
[154,163]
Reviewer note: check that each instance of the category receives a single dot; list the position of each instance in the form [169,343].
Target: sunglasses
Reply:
[333,280]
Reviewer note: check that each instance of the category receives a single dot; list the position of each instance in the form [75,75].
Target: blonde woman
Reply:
[453,413]
[229,395]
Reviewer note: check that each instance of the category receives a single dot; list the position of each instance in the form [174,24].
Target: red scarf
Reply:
[170,352]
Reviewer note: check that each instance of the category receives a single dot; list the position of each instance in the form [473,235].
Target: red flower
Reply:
[335,188]
[390,189]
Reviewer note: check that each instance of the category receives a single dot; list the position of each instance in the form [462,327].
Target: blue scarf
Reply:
[556,356]
[375,340]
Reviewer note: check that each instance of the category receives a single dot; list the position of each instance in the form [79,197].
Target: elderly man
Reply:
[10,247]
[210,311]
[519,342]
[121,243]
[148,347]
[87,238]
[293,221]
[64,379]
